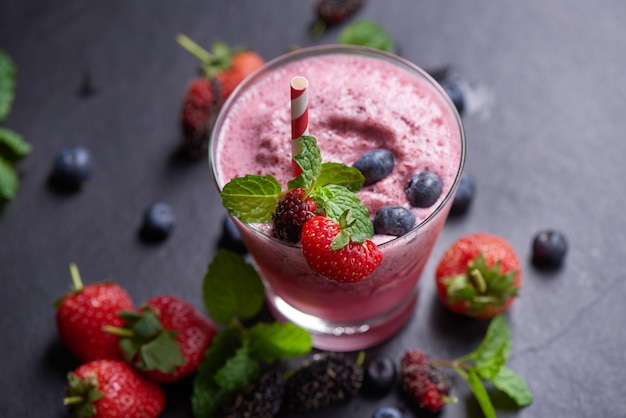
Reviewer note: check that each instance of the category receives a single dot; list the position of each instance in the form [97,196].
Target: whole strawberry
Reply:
[166,339]
[423,381]
[112,389]
[82,313]
[292,211]
[243,64]
[199,110]
[349,263]
[479,275]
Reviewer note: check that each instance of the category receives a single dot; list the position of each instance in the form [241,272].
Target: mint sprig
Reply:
[367,33]
[331,185]
[232,291]
[487,364]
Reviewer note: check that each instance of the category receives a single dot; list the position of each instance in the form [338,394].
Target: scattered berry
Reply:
[479,275]
[393,220]
[166,339]
[83,312]
[333,12]
[158,222]
[243,64]
[329,378]
[261,399]
[231,238]
[388,412]
[111,388]
[454,90]
[350,264]
[549,248]
[423,381]
[380,377]
[375,165]
[199,110]
[292,211]
[72,168]
[424,189]
[464,195]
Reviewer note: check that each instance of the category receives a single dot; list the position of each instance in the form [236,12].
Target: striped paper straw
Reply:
[299,117]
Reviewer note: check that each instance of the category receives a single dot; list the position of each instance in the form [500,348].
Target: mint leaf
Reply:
[274,341]
[480,393]
[251,198]
[231,288]
[7,84]
[207,395]
[495,349]
[8,180]
[341,174]
[239,370]
[310,161]
[367,33]
[336,200]
[14,143]
[510,383]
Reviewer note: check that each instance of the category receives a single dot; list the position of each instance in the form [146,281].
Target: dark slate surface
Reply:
[545,142]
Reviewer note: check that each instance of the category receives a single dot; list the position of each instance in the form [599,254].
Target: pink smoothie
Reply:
[357,103]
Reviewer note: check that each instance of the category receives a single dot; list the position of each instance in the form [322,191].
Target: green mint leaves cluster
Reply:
[488,364]
[332,186]
[12,145]
[366,32]
[232,292]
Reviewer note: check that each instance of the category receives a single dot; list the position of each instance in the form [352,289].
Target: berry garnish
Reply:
[380,377]
[72,168]
[375,165]
[549,248]
[423,381]
[327,379]
[334,255]
[231,238]
[424,189]
[464,195]
[388,412]
[454,90]
[393,220]
[479,275]
[158,222]
[292,211]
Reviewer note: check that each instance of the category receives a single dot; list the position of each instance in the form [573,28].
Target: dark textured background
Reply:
[547,149]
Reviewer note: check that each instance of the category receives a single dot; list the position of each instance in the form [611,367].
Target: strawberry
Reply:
[243,64]
[349,264]
[111,388]
[199,110]
[292,211]
[479,275]
[166,339]
[82,313]
[423,381]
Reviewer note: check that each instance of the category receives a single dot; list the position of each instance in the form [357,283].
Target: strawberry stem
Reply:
[77,282]
[478,280]
[194,49]
[120,332]
[73,400]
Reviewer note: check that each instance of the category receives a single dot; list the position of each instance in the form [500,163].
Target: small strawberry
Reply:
[479,275]
[423,381]
[111,388]
[198,113]
[340,259]
[292,211]
[82,313]
[166,339]
[243,63]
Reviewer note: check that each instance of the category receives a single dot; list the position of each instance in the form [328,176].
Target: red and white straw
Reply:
[299,117]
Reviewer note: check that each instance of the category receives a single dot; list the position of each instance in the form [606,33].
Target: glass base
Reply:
[352,336]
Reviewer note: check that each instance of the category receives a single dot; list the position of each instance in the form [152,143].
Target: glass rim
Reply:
[334,49]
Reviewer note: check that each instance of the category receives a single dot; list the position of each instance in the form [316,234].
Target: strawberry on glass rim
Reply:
[479,276]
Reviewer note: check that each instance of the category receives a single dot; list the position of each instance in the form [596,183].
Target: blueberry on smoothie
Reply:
[380,377]
[464,194]
[424,189]
[549,249]
[375,165]
[454,90]
[72,168]
[393,220]
[388,412]
[158,222]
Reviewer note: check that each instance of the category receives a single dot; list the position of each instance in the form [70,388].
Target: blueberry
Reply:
[158,222]
[454,90]
[388,412]
[231,238]
[424,189]
[72,168]
[549,248]
[464,194]
[375,165]
[393,220]
[380,377]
